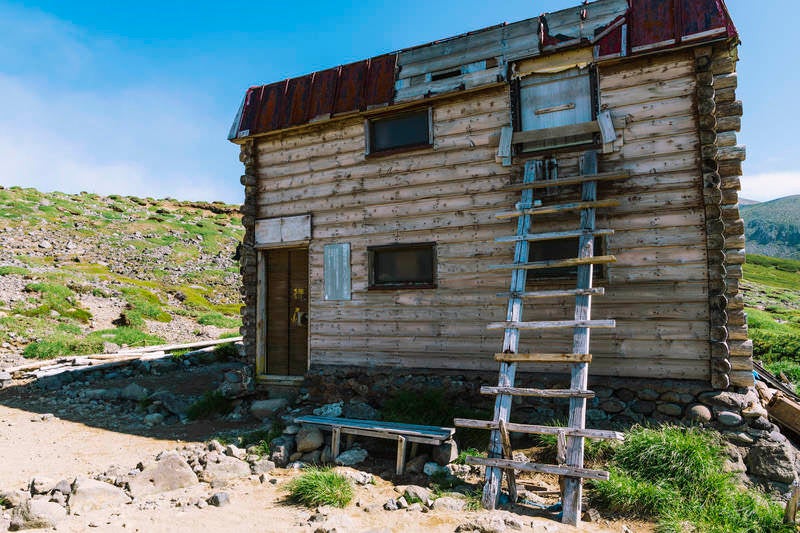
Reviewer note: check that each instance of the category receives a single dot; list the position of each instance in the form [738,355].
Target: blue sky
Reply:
[137,97]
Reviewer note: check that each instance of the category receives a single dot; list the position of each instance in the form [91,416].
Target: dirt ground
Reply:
[33,443]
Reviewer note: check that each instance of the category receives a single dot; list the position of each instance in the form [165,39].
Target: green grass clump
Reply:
[320,486]
[211,403]
[469,452]
[53,297]
[12,270]
[675,476]
[143,305]
[224,352]
[125,335]
[219,320]
[67,341]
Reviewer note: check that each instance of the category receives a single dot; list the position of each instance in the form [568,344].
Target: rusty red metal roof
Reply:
[635,28]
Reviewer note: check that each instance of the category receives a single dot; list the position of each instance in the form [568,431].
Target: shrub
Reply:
[320,486]
[675,475]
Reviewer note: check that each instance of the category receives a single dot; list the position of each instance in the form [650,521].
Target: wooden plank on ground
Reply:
[544,357]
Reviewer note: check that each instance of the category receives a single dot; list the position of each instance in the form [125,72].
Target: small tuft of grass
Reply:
[225,352]
[219,320]
[211,403]
[12,270]
[320,486]
[469,452]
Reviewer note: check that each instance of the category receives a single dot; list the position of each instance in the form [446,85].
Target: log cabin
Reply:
[372,193]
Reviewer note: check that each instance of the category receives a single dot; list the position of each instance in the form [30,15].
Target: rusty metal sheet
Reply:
[704,16]
[651,22]
[349,96]
[323,93]
[611,43]
[252,104]
[271,102]
[379,88]
[298,91]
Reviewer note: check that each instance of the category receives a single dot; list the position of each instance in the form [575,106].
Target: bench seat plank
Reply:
[395,428]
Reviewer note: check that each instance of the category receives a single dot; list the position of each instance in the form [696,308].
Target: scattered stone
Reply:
[591,515]
[35,514]
[725,399]
[154,419]
[449,503]
[262,466]
[402,503]
[291,430]
[390,505]
[416,464]
[110,347]
[357,476]
[223,469]
[729,418]
[295,456]
[415,493]
[215,446]
[12,498]
[41,485]
[262,409]
[232,450]
[282,449]
[171,403]
[352,457]
[483,524]
[331,409]
[45,245]
[219,499]
[134,392]
[308,438]
[361,411]
[433,468]
[670,409]
[170,472]
[699,413]
[415,507]
[88,495]
[445,453]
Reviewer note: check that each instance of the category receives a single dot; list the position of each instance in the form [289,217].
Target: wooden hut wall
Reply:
[657,292]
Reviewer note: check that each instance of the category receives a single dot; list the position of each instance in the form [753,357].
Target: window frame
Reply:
[545,275]
[372,265]
[369,150]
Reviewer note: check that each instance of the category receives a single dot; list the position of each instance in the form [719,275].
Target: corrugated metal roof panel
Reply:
[349,96]
[323,93]
[379,88]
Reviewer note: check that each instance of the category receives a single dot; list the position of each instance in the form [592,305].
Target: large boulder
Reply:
[35,514]
[772,461]
[170,472]
[352,457]
[223,468]
[267,408]
[445,453]
[89,494]
[309,438]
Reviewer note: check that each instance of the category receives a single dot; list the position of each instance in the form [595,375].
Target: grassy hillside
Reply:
[773,228]
[772,299]
[157,267]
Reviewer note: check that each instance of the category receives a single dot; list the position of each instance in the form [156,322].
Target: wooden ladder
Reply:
[570,438]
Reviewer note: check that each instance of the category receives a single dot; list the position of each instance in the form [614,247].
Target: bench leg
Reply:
[401,455]
[336,437]
[414,446]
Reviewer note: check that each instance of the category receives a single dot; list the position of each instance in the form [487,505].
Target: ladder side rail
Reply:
[502,408]
[573,487]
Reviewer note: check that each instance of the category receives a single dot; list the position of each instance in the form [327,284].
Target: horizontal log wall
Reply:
[658,290]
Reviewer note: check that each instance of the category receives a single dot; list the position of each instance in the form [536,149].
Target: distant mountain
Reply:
[747,201]
[773,228]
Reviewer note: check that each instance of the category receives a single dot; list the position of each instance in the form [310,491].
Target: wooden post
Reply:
[401,455]
[502,406]
[508,453]
[573,488]
[336,437]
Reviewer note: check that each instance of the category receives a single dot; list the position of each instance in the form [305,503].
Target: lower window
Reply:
[402,266]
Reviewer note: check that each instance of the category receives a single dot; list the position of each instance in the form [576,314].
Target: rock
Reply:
[215,446]
[647,395]
[45,245]
[35,514]
[134,392]
[483,524]
[171,403]
[291,430]
[591,515]
[41,485]
[699,413]
[612,405]
[267,408]
[414,507]
[262,466]
[110,347]
[445,453]
[88,495]
[154,419]
[773,461]
[416,464]
[331,409]
[308,438]
[312,457]
[224,469]
[670,409]
[729,418]
[361,411]
[170,472]
[390,505]
[13,498]
[433,468]
[724,399]
[325,457]
[232,450]
[415,493]
[449,503]
[357,476]
[219,499]
[352,457]
[402,503]
[740,438]
[754,411]
[295,457]
[282,449]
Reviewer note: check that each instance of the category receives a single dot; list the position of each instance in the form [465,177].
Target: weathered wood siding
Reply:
[657,292]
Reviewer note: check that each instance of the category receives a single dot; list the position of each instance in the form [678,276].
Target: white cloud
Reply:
[770,185]
[59,131]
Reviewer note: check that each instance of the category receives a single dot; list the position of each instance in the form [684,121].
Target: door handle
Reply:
[299,318]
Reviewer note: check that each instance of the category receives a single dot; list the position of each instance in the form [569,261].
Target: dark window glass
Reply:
[400,131]
[561,249]
[407,265]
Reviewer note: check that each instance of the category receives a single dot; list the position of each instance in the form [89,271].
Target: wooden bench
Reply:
[402,433]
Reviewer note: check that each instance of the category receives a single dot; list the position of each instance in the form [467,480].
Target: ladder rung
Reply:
[554,235]
[558,263]
[543,357]
[538,393]
[569,471]
[573,180]
[574,206]
[540,430]
[595,291]
[553,324]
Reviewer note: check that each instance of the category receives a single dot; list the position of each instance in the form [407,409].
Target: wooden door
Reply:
[286,342]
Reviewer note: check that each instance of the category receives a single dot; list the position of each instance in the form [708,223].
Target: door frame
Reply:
[261,316]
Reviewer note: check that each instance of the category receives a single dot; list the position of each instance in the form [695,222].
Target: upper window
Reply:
[402,266]
[399,132]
